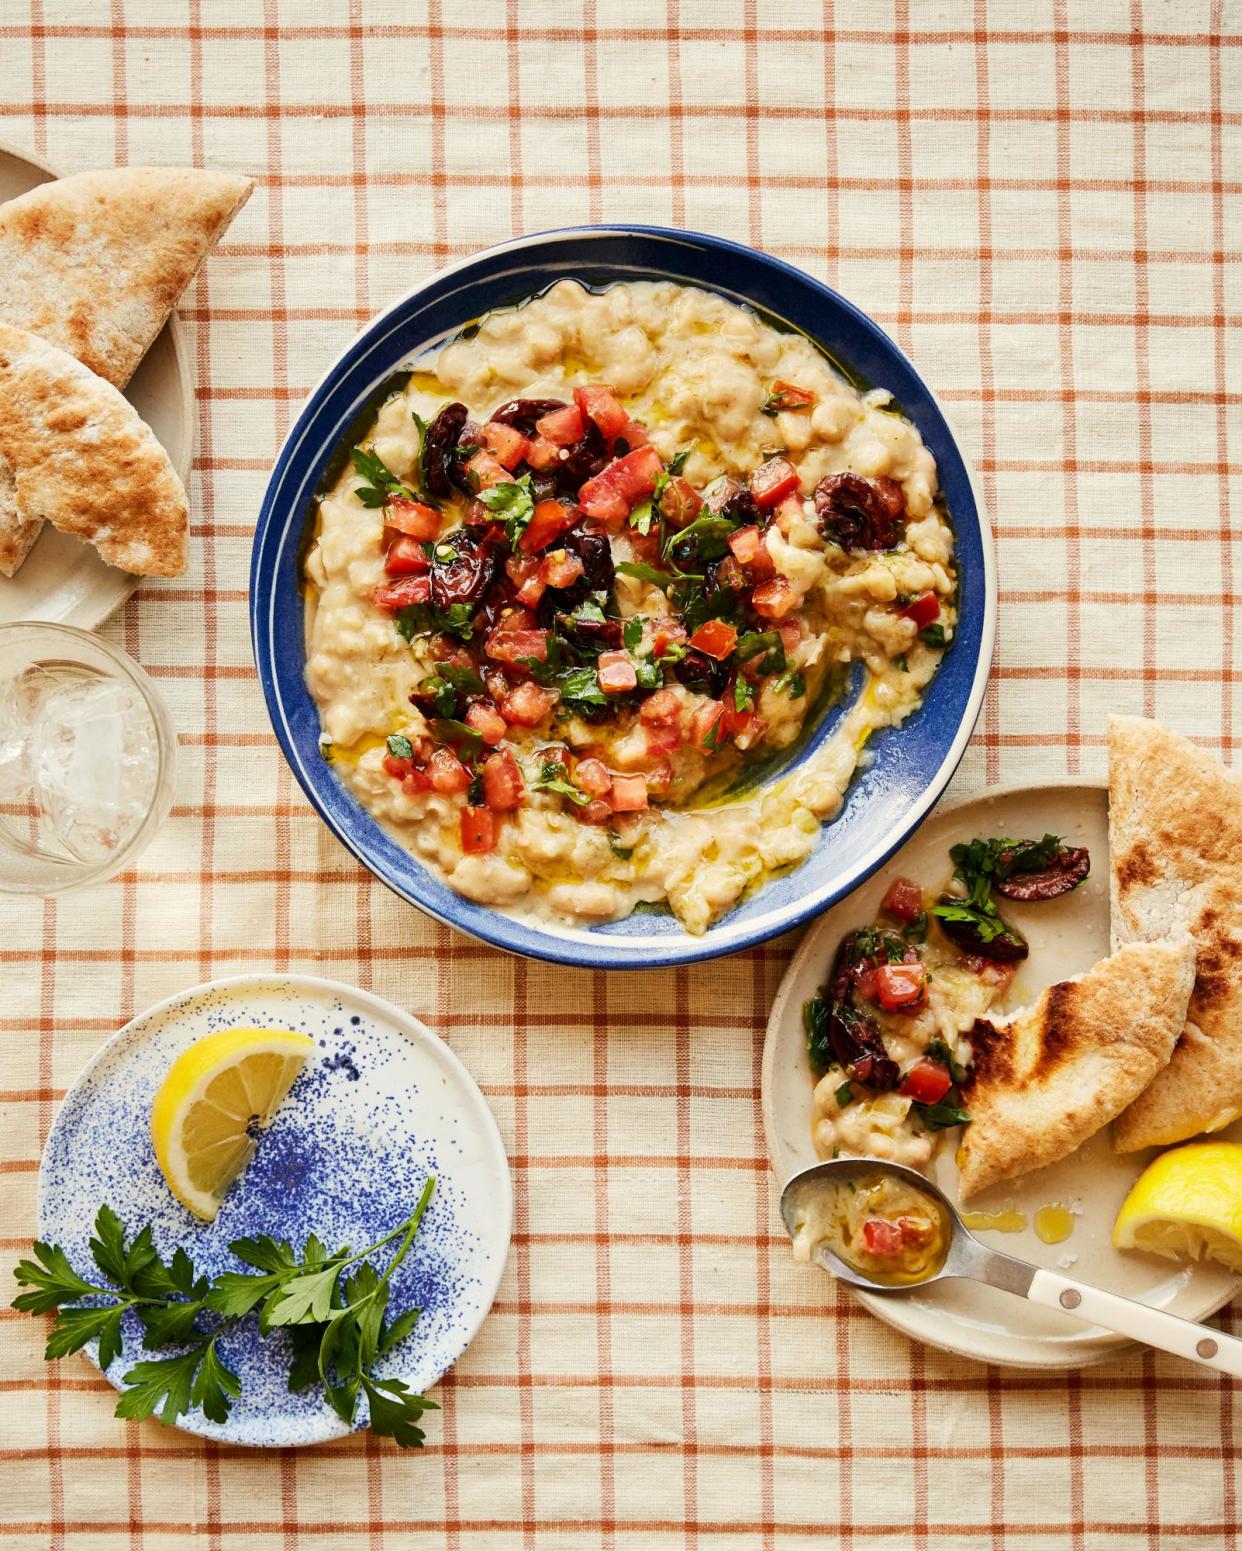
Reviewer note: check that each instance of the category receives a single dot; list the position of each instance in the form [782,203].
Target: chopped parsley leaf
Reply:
[399,746]
[512,502]
[932,635]
[551,778]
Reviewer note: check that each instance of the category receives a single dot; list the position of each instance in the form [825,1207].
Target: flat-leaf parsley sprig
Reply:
[334,1307]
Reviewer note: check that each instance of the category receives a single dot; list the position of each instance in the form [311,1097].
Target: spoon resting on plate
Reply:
[886,1228]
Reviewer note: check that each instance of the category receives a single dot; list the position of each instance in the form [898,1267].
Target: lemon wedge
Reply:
[1187,1205]
[215,1094]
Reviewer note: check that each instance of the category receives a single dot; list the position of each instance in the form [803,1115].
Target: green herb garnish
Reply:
[932,635]
[333,1305]
[815,1014]
[399,746]
[939,1117]
[448,730]
[743,695]
[552,779]
[513,503]
[381,483]
[844,1095]
[769,643]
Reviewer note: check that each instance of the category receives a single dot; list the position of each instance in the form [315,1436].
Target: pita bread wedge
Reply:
[1049,1076]
[95,263]
[83,460]
[1175,837]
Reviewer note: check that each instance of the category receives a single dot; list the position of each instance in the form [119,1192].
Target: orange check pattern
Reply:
[1040,200]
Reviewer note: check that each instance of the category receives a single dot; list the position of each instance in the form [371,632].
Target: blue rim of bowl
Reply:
[433,312]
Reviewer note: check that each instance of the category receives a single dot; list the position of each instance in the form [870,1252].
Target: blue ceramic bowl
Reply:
[910,766]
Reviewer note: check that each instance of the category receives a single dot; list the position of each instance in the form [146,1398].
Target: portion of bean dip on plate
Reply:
[592,571]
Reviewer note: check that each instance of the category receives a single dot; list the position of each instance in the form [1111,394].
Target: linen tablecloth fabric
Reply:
[1039,199]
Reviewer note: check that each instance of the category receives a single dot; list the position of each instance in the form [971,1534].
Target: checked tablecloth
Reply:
[1040,200]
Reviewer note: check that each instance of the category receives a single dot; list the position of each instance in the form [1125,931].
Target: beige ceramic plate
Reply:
[63,580]
[1067,936]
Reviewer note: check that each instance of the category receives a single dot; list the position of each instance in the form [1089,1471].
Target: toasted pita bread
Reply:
[83,460]
[1049,1076]
[1175,836]
[95,263]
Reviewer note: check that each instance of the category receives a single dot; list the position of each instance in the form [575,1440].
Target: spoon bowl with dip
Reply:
[885,1228]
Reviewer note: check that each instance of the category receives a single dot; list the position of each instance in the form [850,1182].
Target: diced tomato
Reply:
[926,1082]
[788,512]
[508,443]
[485,471]
[735,723]
[487,722]
[923,610]
[773,481]
[903,900]
[516,645]
[397,767]
[705,720]
[714,639]
[634,433]
[597,811]
[528,704]
[406,557]
[591,776]
[666,633]
[629,794]
[751,552]
[416,783]
[413,518]
[610,496]
[515,616]
[865,984]
[663,706]
[478,830]
[791,634]
[561,427]
[599,403]
[882,1239]
[448,774]
[542,454]
[681,503]
[646,547]
[402,594]
[916,1230]
[774,599]
[785,395]
[900,985]
[523,572]
[549,521]
[615,673]
[662,739]
[503,787]
[561,568]
[730,574]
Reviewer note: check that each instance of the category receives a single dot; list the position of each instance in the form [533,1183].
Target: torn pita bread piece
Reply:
[1047,1077]
[95,263]
[82,459]
[1175,840]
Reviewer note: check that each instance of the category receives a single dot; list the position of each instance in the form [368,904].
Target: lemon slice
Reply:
[216,1093]
[1187,1205]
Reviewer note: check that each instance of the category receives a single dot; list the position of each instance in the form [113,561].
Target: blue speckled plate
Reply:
[908,766]
[381,1105]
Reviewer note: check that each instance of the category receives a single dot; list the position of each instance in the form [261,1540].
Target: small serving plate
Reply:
[1067,937]
[63,580]
[381,1105]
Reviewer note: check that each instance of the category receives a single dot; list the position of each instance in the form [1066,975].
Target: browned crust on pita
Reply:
[1175,832]
[96,262]
[1049,1076]
[84,461]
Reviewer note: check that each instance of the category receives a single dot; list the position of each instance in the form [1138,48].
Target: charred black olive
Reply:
[728,498]
[595,552]
[583,461]
[463,567]
[702,674]
[521,414]
[1006,947]
[439,444]
[860,513]
[542,485]
[591,635]
[856,1042]
[1065,871]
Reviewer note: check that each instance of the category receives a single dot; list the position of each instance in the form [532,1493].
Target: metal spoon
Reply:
[970,1260]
